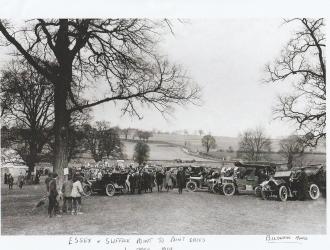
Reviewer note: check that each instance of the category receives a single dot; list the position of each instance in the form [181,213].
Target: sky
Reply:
[226,58]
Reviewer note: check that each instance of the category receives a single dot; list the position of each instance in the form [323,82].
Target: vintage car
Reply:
[243,177]
[294,184]
[111,183]
[200,178]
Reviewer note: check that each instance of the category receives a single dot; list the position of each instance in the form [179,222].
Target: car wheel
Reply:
[313,192]
[87,189]
[228,189]
[191,186]
[282,193]
[216,188]
[110,190]
[257,191]
[125,190]
[264,193]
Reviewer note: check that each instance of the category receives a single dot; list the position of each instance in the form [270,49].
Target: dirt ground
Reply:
[162,213]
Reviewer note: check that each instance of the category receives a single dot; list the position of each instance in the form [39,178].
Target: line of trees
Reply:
[255,145]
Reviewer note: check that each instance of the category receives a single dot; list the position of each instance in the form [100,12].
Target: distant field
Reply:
[223,142]
[168,151]
[194,141]
[160,151]
[170,147]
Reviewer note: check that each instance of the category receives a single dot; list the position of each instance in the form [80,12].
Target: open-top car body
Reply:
[296,183]
[110,184]
[244,177]
[202,178]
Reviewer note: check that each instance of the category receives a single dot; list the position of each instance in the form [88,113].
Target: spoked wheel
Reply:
[191,186]
[87,189]
[216,188]
[125,189]
[313,192]
[282,193]
[228,189]
[257,191]
[110,190]
[264,194]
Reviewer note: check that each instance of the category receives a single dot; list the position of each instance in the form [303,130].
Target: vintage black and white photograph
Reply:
[163,126]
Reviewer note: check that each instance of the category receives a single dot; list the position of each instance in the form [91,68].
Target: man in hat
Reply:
[302,184]
[181,179]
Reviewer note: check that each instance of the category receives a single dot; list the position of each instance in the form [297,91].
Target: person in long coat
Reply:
[52,194]
[10,180]
[302,184]
[159,180]
[6,178]
[168,180]
[181,179]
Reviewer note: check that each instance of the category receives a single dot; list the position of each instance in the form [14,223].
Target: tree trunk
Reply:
[61,90]
[33,153]
[61,130]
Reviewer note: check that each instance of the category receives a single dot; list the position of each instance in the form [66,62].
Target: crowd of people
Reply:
[67,198]
[147,177]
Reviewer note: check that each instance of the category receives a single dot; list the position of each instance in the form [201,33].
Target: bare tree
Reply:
[208,142]
[27,102]
[200,132]
[253,145]
[75,53]
[292,148]
[103,141]
[303,63]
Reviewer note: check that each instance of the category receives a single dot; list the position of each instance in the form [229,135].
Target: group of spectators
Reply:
[9,179]
[167,179]
[68,200]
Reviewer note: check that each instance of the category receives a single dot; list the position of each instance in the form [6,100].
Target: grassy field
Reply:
[161,151]
[223,142]
[162,213]
[168,148]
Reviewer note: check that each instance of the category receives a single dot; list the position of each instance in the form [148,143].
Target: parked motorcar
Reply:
[244,177]
[296,183]
[110,184]
[202,178]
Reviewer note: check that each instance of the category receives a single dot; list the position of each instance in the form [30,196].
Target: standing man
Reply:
[52,194]
[10,180]
[181,179]
[6,178]
[67,190]
[77,192]
[159,180]
[20,180]
[302,184]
